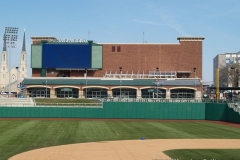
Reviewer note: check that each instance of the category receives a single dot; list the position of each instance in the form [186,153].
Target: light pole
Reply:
[157,81]
[120,82]
[194,69]
[46,84]
[86,82]
[17,81]
[10,36]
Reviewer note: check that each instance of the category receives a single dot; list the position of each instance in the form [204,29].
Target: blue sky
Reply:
[124,21]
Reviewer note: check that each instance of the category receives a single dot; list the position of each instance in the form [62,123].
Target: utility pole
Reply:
[120,82]
[86,82]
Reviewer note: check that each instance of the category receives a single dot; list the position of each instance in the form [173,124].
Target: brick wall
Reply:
[184,56]
[146,57]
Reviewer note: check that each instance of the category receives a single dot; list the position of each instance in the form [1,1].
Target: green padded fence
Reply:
[232,116]
[136,110]
[130,110]
[216,111]
[146,110]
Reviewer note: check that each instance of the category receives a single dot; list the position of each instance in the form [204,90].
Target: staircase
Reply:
[17,102]
[23,91]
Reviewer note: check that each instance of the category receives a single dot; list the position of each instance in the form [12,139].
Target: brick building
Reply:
[64,68]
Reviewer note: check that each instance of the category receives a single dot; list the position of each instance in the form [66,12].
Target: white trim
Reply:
[140,43]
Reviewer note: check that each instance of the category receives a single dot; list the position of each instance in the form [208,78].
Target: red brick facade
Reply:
[142,58]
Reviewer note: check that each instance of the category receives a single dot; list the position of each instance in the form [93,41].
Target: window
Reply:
[113,48]
[22,68]
[23,57]
[3,68]
[4,57]
[118,48]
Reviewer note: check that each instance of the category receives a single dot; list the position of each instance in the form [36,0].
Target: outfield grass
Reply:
[17,136]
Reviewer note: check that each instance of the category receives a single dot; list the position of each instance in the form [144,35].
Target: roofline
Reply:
[143,43]
[190,38]
[43,37]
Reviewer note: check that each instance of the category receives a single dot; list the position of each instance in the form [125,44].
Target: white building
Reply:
[220,62]
[16,73]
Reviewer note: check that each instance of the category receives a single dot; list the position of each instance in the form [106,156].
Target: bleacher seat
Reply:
[18,102]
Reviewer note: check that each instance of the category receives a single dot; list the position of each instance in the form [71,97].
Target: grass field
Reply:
[17,136]
[62,100]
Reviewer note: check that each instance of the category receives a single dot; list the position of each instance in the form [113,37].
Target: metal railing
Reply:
[173,100]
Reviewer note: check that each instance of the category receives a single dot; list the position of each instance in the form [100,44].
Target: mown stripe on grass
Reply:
[7,134]
[174,130]
[31,134]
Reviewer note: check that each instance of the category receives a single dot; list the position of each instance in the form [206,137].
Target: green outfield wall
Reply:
[216,111]
[232,116]
[130,110]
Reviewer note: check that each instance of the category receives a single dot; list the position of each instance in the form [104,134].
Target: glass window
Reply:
[67,93]
[153,92]
[182,93]
[125,93]
[118,48]
[113,48]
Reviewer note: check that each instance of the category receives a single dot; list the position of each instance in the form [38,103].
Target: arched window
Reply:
[22,68]
[23,57]
[3,68]
[4,57]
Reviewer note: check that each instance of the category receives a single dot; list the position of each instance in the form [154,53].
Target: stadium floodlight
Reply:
[120,82]
[86,82]
[10,37]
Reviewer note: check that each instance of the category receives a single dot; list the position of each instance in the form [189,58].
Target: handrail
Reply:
[173,100]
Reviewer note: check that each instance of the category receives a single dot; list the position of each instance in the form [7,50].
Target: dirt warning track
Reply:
[124,150]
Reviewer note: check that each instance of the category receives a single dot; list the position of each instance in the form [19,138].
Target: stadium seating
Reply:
[21,102]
